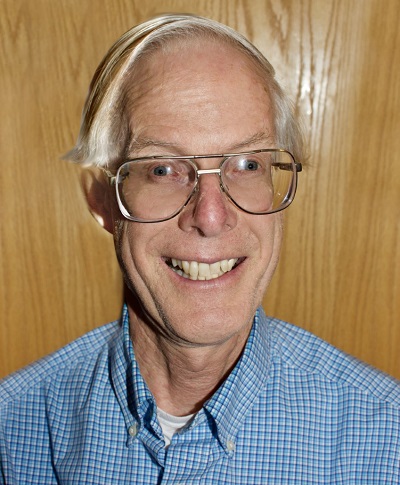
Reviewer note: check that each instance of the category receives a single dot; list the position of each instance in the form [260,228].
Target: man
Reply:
[192,148]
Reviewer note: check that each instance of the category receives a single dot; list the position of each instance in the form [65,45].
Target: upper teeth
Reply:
[202,271]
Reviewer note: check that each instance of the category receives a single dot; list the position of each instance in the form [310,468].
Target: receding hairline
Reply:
[150,58]
[104,132]
[182,37]
[158,53]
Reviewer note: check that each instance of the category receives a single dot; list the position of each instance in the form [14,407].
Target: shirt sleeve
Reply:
[5,465]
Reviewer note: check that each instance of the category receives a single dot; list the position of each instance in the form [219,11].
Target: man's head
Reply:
[189,86]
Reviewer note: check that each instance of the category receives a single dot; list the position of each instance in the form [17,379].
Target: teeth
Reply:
[186,266]
[194,270]
[225,265]
[215,268]
[202,271]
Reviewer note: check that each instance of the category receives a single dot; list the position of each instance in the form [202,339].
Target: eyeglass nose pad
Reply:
[224,190]
[224,193]
[221,185]
[196,191]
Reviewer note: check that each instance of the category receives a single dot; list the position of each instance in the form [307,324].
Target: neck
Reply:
[181,377]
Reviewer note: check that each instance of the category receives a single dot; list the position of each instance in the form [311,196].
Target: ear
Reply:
[98,193]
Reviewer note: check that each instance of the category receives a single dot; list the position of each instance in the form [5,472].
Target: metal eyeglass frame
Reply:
[296,168]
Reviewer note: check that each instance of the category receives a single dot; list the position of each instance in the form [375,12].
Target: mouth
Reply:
[198,271]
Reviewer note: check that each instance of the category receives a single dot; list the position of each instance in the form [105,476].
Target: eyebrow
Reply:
[137,144]
[259,137]
[140,143]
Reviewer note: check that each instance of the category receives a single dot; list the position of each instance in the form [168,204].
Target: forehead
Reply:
[197,91]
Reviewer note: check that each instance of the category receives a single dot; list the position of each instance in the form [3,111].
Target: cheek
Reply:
[270,245]
[276,240]
[278,235]
[269,233]
[132,244]
[124,248]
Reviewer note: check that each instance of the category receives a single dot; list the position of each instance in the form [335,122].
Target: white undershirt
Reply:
[172,424]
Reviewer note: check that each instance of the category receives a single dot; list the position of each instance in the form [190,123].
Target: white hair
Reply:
[104,136]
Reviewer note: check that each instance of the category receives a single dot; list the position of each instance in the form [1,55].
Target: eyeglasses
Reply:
[155,189]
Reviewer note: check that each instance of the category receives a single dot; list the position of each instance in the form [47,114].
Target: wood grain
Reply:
[339,272]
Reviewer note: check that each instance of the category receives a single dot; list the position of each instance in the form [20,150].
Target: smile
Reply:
[202,271]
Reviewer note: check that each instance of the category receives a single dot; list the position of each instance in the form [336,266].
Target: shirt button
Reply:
[230,445]
[132,430]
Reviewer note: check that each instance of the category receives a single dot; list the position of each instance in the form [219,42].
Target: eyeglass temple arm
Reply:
[288,166]
[111,176]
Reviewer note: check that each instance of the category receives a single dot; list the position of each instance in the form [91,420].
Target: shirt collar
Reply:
[133,395]
[232,402]
[228,406]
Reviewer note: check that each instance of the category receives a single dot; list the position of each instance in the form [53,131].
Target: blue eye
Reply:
[161,170]
[250,165]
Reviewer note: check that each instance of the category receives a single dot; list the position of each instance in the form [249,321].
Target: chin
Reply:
[212,326]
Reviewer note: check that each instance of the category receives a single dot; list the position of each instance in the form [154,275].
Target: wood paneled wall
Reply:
[339,273]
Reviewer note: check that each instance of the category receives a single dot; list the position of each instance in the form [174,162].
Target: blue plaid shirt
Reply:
[294,410]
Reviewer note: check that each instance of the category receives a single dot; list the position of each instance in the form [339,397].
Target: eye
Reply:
[164,171]
[161,170]
[248,164]
[245,167]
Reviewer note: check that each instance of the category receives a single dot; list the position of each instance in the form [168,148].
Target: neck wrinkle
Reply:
[182,378]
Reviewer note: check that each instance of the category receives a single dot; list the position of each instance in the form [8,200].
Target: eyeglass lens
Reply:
[157,189]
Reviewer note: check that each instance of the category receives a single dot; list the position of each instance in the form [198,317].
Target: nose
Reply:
[209,212]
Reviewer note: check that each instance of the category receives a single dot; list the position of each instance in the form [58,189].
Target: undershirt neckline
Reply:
[172,424]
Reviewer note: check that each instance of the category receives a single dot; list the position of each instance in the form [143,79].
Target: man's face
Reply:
[201,99]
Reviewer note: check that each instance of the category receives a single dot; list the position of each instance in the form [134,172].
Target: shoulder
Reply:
[306,357]
[78,358]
